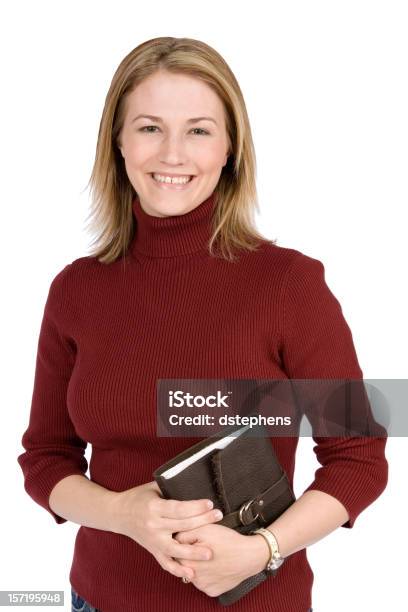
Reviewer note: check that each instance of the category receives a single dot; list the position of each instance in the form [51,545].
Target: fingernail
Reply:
[218,514]
[210,504]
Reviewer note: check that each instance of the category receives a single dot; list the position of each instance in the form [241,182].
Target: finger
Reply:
[186,537]
[174,567]
[174,508]
[187,563]
[192,553]
[192,522]
[155,487]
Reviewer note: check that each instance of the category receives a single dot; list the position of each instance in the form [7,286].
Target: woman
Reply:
[180,285]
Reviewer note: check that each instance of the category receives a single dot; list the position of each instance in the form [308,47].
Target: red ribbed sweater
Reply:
[173,311]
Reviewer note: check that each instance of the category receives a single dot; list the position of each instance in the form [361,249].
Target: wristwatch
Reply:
[275,560]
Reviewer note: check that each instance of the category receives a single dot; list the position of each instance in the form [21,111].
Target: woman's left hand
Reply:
[235,557]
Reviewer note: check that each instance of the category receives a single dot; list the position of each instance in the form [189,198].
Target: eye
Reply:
[201,130]
[146,129]
[147,126]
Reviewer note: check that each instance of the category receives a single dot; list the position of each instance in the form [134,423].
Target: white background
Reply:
[325,85]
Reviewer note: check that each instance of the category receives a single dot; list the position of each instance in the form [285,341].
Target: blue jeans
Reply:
[80,605]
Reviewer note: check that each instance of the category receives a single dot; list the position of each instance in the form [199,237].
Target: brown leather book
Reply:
[238,470]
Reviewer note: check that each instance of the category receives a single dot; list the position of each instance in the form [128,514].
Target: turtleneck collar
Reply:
[173,235]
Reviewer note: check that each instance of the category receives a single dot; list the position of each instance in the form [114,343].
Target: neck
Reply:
[175,235]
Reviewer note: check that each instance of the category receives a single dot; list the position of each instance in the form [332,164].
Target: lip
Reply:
[171,186]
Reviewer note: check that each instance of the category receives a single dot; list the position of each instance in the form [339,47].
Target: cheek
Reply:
[139,153]
[212,157]
[135,164]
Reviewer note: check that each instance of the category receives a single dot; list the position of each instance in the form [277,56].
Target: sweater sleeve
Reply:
[53,450]
[318,344]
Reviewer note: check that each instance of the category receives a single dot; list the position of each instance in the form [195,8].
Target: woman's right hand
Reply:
[142,514]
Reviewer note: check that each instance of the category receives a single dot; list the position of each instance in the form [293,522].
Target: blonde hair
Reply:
[112,194]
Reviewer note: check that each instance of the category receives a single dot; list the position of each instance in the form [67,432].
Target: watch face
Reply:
[275,563]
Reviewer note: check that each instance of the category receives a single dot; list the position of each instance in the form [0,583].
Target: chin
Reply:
[172,208]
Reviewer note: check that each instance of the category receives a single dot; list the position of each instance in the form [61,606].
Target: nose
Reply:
[173,150]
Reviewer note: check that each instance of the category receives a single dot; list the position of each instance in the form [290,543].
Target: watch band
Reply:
[275,560]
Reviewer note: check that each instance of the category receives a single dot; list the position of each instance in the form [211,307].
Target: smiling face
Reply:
[169,143]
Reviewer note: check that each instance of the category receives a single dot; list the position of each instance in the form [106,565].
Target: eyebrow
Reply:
[160,120]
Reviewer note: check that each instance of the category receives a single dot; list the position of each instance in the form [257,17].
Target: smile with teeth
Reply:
[178,180]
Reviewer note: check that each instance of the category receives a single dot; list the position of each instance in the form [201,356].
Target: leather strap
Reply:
[233,595]
[253,509]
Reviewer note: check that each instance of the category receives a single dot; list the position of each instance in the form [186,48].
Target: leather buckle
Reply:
[246,507]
